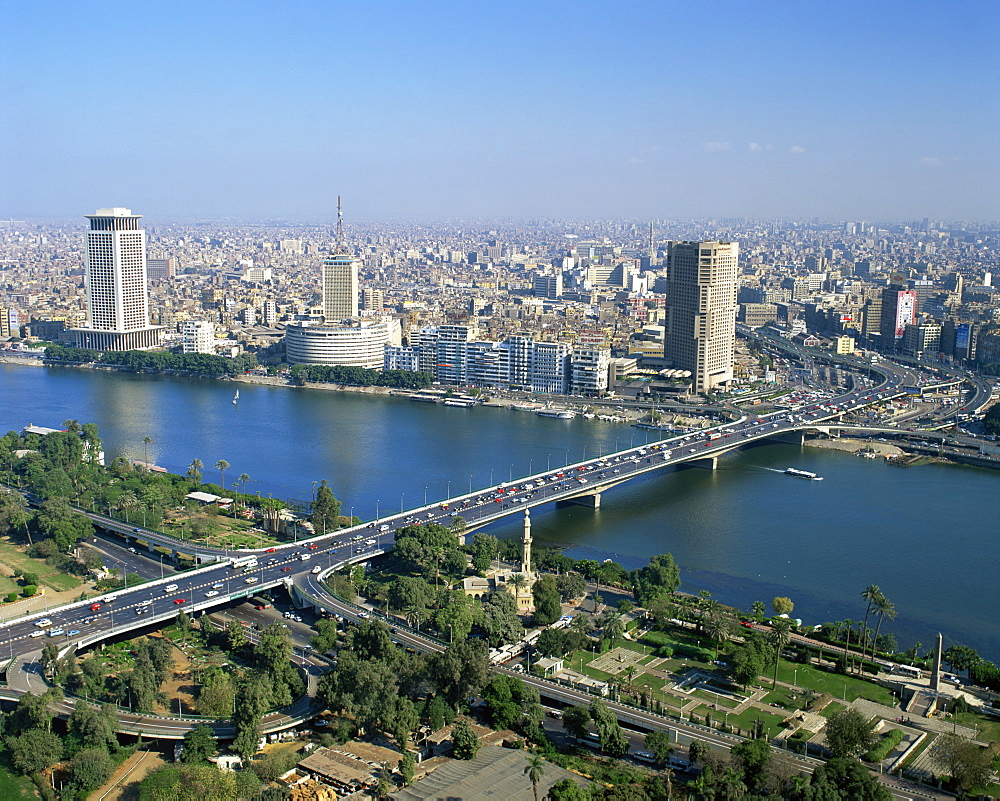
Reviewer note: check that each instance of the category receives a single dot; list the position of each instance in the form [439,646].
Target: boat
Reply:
[425,398]
[791,471]
[524,407]
[236,397]
[465,403]
[562,414]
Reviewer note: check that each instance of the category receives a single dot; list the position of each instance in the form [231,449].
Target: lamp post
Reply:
[567,457]
[425,496]
[401,502]
[449,490]
[529,466]
[470,483]
[377,501]
[491,476]
[161,565]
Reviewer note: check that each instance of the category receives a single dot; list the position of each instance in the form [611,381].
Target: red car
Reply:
[270,550]
[285,569]
[94,607]
[178,600]
[312,546]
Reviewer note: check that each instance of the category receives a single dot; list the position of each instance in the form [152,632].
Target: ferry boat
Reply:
[462,401]
[524,407]
[562,414]
[425,398]
[791,471]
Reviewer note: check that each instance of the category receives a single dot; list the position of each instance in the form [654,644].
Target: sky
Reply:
[423,110]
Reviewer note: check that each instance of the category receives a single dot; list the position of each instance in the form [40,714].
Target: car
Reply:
[56,632]
[316,569]
[43,623]
[260,606]
[285,569]
[94,607]
[270,550]
[179,600]
[72,632]
[38,633]
[142,610]
[218,586]
[211,593]
[250,580]
[312,546]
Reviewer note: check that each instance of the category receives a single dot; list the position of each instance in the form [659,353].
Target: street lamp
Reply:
[377,501]
[401,502]
[425,496]
[449,490]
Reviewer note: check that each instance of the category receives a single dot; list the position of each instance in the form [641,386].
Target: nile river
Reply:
[926,535]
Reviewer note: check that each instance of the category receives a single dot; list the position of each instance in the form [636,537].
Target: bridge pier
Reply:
[707,462]
[591,500]
[791,437]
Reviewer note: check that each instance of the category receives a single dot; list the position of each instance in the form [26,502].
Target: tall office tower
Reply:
[701,310]
[340,279]
[899,309]
[117,297]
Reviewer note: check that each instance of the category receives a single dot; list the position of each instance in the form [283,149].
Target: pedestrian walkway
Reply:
[938,725]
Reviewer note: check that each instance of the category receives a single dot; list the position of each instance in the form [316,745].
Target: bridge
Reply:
[300,567]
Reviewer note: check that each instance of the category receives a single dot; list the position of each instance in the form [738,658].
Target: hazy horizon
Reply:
[446,110]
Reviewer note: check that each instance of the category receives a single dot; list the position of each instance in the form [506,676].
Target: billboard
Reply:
[906,311]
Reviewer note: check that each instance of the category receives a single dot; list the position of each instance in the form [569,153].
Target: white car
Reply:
[217,586]
[250,580]
[211,593]
[316,569]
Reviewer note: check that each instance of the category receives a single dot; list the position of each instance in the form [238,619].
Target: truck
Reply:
[712,435]
[244,562]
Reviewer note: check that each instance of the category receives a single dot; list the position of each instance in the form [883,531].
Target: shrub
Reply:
[11,596]
[889,741]
[29,590]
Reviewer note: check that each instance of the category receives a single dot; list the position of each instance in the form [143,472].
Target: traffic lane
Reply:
[137,563]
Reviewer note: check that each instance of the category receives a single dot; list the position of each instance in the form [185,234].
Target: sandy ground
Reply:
[122,783]
[854,445]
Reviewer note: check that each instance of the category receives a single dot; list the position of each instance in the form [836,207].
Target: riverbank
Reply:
[852,445]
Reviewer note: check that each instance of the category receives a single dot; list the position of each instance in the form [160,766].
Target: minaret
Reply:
[936,672]
[526,542]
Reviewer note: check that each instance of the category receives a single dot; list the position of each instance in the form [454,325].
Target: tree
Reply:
[460,670]
[146,442]
[847,779]
[960,657]
[222,465]
[753,757]
[547,600]
[567,790]
[658,743]
[884,608]
[325,509]
[697,751]
[34,750]
[243,478]
[200,744]
[406,768]
[758,610]
[871,593]
[500,619]
[968,765]
[465,740]
[613,625]
[750,659]
[576,721]
[534,770]
[236,635]
[719,630]
[782,605]
[613,739]
[484,549]
[849,733]
[659,579]
[780,636]
[96,727]
[56,520]
[194,470]
[90,768]
[572,586]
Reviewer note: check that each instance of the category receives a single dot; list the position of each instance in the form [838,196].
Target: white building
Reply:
[589,371]
[701,310]
[199,336]
[117,296]
[360,343]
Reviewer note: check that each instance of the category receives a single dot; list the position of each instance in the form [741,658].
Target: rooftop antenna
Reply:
[341,247]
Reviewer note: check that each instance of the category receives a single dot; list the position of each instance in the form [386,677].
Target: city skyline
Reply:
[446,110]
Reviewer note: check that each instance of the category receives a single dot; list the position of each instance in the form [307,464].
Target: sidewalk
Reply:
[132,770]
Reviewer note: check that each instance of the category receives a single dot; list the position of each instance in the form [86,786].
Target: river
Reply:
[744,532]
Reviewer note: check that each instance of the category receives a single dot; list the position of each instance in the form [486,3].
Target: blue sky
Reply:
[422,109]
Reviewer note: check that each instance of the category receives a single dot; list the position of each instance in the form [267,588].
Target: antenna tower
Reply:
[341,246]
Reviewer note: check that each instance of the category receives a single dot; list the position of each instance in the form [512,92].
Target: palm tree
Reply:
[243,478]
[72,426]
[630,672]
[884,608]
[781,635]
[848,625]
[194,470]
[126,503]
[613,624]
[718,631]
[871,594]
[222,466]
[146,442]
[582,624]
[534,770]
[758,610]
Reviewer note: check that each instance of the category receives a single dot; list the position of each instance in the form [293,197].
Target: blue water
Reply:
[925,534]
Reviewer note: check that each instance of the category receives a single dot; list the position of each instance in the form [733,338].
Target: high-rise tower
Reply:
[340,279]
[701,310]
[117,296]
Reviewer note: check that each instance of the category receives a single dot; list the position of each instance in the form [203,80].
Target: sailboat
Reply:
[236,397]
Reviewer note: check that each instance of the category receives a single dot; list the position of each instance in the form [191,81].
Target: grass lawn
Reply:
[832,709]
[721,700]
[989,728]
[822,681]
[13,786]
[47,575]
[773,724]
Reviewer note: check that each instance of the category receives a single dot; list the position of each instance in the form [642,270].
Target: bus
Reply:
[906,670]
[244,562]
[261,602]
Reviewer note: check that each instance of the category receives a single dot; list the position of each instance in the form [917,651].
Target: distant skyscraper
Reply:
[899,309]
[340,279]
[117,296]
[701,310]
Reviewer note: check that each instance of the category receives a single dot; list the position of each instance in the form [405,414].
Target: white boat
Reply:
[791,471]
[562,414]
[463,402]
[524,407]
[236,397]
